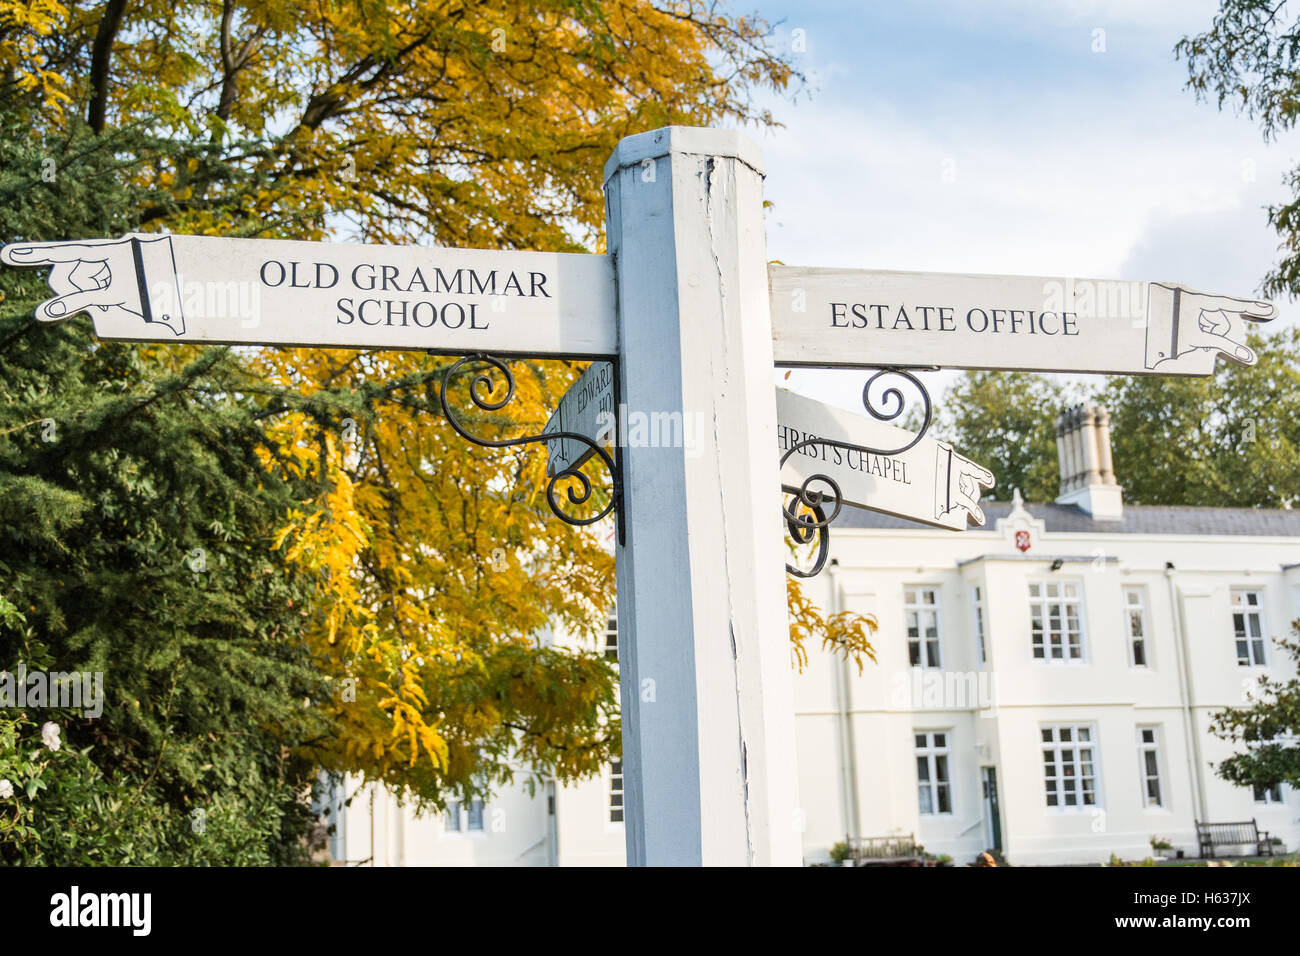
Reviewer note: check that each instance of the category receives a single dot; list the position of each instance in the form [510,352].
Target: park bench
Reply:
[868,851]
[1210,835]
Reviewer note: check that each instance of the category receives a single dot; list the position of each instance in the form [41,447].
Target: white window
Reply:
[934,788]
[977,600]
[1135,621]
[1149,758]
[616,791]
[1248,626]
[464,816]
[1056,621]
[474,815]
[921,611]
[1069,767]
[1271,794]
[611,636]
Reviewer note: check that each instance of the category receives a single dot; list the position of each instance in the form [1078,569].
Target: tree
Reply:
[1248,60]
[1268,729]
[1006,422]
[137,532]
[1231,439]
[434,563]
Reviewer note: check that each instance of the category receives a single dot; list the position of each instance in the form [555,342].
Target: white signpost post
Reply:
[704,655]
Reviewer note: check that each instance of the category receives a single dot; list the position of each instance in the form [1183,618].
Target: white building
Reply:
[1044,686]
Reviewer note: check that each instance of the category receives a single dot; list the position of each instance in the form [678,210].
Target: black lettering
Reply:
[460,311]
[971,323]
[948,318]
[538,284]
[368,284]
[361,310]
[433,314]
[1070,328]
[334,276]
[417,276]
[837,309]
[441,283]
[345,307]
[265,280]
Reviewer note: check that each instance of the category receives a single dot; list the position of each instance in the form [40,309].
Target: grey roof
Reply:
[1138,519]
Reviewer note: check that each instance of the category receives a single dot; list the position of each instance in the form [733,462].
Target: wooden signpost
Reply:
[927,482]
[696,328]
[854,317]
[589,409]
[203,289]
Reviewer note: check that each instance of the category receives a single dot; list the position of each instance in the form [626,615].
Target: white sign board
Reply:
[587,408]
[203,289]
[856,318]
[929,482]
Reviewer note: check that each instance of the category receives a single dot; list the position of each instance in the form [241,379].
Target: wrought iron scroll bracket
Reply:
[480,391]
[805,514]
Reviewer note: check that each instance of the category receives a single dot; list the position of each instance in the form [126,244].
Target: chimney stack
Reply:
[1087,471]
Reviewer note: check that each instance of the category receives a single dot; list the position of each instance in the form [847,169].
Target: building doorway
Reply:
[992,813]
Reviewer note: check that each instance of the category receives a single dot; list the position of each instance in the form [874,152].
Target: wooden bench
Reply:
[1210,835]
[884,850]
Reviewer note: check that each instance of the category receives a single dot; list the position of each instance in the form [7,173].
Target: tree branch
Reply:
[100,55]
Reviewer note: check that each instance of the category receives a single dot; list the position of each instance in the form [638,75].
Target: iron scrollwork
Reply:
[805,515]
[481,389]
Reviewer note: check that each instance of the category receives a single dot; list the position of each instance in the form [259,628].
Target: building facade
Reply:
[1044,686]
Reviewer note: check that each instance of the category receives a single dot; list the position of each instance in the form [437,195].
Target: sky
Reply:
[1031,137]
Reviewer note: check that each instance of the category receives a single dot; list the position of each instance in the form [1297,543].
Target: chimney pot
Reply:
[1087,468]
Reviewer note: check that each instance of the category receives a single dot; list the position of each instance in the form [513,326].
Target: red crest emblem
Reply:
[1022,540]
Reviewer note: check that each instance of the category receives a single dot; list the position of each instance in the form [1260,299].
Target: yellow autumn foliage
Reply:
[432,122]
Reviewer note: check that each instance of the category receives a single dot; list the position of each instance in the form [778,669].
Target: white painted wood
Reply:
[204,289]
[587,408]
[704,651]
[861,318]
[929,482]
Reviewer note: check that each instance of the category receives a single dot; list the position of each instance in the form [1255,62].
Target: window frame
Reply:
[918,607]
[1144,621]
[611,630]
[1244,609]
[1268,792]
[616,774]
[1043,601]
[931,753]
[459,816]
[981,630]
[1093,744]
[1154,747]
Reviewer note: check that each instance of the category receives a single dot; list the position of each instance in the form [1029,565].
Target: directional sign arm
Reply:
[858,318]
[877,466]
[207,289]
